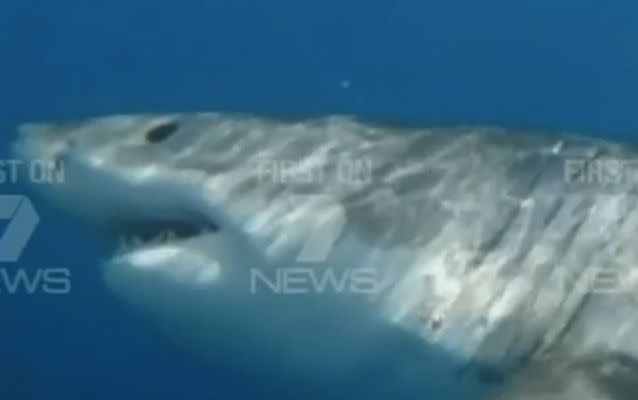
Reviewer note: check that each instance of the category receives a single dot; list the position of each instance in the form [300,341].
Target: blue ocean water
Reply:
[567,65]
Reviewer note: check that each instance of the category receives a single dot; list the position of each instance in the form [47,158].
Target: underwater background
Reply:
[568,65]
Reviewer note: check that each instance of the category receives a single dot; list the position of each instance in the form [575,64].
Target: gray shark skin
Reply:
[447,259]
[614,376]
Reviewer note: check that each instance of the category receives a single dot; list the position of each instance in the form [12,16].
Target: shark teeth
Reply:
[129,243]
[135,242]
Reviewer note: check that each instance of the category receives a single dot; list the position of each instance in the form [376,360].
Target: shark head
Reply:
[141,179]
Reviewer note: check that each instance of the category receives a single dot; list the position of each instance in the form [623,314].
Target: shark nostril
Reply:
[62,156]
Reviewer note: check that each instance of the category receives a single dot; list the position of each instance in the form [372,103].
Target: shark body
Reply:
[447,259]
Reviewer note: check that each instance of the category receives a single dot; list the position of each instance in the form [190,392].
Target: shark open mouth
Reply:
[154,232]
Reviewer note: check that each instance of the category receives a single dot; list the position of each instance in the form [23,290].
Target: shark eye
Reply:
[161,132]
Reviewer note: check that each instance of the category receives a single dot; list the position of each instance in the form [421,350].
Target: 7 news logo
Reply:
[21,220]
[312,271]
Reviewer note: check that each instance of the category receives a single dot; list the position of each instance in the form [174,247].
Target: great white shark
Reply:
[470,262]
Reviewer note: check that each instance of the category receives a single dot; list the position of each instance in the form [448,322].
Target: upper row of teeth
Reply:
[133,242]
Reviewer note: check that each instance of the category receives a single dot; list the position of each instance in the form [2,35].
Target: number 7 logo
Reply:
[23,220]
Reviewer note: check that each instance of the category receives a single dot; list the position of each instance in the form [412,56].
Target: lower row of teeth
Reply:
[133,242]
